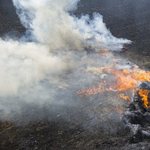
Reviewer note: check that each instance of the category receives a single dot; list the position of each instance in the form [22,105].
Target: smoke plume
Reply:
[50,23]
[32,66]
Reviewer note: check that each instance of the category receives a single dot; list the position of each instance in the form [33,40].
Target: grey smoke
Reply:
[38,56]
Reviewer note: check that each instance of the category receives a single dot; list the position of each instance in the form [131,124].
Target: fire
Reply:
[144,94]
[124,97]
[93,90]
[124,80]
[123,83]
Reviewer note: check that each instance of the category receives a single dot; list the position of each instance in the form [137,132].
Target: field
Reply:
[50,131]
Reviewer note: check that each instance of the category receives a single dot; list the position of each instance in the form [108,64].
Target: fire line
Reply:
[125,80]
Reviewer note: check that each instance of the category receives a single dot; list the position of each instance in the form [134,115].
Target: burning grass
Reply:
[120,81]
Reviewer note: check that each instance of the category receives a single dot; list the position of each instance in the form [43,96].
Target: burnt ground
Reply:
[125,19]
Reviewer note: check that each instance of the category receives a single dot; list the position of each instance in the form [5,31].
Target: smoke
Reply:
[23,64]
[47,58]
[50,23]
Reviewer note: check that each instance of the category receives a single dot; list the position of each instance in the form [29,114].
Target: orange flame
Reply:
[144,94]
[92,91]
[124,80]
[124,97]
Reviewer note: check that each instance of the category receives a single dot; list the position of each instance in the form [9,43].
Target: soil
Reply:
[125,19]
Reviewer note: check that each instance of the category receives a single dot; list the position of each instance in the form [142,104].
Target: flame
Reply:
[92,91]
[124,80]
[144,94]
[124,97]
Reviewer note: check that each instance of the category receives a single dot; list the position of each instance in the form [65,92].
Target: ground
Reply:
[125,19]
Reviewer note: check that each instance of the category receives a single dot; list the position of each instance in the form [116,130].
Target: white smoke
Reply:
[95,31]
[50,23]
[23,64]
[37,56]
